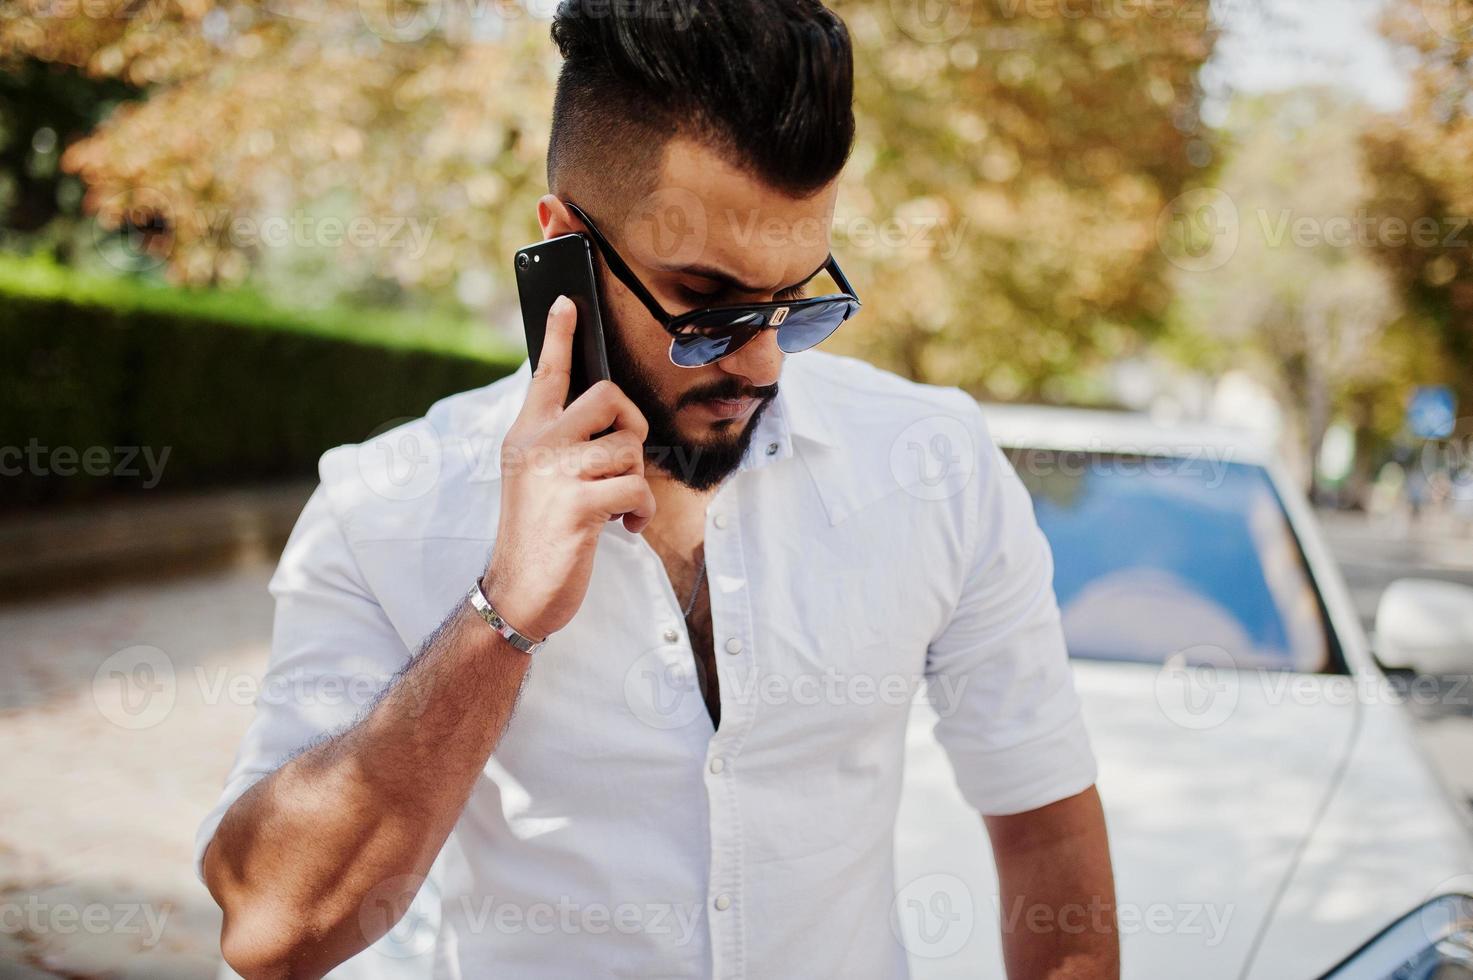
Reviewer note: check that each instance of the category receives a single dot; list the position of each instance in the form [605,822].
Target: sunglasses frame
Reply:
[673,323]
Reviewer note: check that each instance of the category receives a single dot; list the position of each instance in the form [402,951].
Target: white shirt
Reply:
[873,547]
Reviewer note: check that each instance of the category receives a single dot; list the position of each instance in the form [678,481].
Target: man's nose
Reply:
[758,363]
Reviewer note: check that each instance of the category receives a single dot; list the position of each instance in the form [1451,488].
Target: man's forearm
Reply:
[320,858]
[1057,891]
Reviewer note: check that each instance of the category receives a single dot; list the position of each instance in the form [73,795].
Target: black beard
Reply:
[699,467]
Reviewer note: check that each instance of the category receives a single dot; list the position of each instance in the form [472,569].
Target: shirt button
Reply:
[717,765]
[723,902]
[733,645]
[719,520]
[671,636]
[772,449]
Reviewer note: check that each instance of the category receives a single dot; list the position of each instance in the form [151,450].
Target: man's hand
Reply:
[559,486]
[319,859]
[1057,891]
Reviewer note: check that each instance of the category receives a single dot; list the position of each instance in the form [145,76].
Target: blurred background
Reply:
[1237,212]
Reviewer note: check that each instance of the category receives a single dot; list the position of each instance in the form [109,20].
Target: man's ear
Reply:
[554,217]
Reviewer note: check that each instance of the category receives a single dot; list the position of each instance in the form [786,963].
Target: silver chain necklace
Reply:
[696,591]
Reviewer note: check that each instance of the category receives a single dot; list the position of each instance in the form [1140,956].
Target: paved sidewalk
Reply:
[120,715]
[81,545]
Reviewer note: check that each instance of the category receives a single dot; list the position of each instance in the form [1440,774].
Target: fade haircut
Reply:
[768,84]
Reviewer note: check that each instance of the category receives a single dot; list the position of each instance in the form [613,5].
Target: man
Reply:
[742,569]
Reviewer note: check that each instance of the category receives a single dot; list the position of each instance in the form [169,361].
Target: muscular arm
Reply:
[1057,891]
[323,856]
[320,858]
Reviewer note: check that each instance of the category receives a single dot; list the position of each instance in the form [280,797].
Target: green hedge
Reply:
[233,402]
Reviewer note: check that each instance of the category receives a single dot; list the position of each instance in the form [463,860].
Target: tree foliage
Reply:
[1001,209]
[1421,162]
[1291,290]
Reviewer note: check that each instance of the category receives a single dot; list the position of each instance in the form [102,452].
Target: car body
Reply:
[1266,819]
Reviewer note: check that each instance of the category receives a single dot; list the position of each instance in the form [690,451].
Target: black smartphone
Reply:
[563,266]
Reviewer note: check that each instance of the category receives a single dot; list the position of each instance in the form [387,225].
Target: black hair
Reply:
[769,84]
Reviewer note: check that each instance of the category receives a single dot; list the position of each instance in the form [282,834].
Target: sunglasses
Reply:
[706,335]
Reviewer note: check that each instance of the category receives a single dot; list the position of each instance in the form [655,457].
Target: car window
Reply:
[1158,556]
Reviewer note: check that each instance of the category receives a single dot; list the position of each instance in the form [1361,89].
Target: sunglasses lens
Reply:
[809,326]
[700,351]
[713,336]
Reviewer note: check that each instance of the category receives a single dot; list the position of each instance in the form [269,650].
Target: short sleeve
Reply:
[998,672]
[333,651]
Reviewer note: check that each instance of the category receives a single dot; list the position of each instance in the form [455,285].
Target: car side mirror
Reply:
[1426,626]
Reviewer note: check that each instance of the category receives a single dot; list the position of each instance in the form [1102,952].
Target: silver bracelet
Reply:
[483,607]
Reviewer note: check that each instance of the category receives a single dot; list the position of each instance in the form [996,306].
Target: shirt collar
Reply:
[801,411]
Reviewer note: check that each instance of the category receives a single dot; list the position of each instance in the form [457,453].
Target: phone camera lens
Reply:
[523,261]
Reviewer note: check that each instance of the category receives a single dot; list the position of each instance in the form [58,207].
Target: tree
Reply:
[1421,162]
[1044,139]
[1000,211]
[1292,289]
